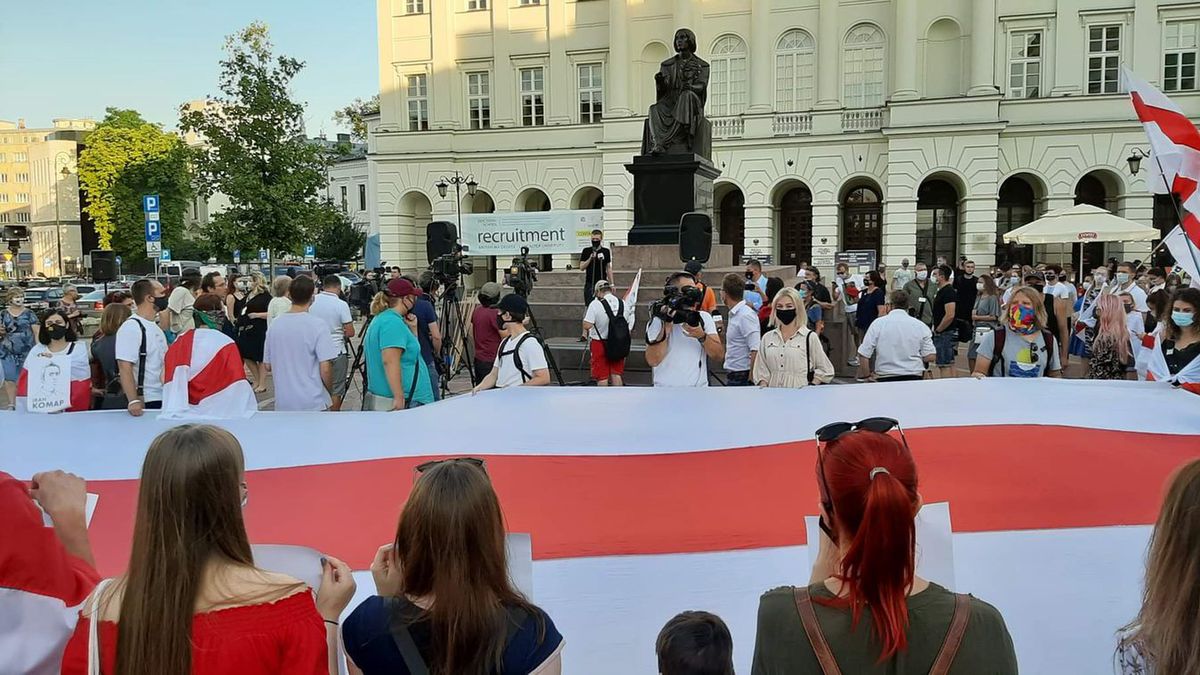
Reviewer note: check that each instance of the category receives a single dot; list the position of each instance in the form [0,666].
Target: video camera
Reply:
[678,305]
[360,294]
[522,274]
[448,268]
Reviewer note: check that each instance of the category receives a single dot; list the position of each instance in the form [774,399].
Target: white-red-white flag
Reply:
[631,298]
[203,378]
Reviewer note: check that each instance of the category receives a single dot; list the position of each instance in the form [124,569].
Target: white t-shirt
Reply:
[334,312]
[129,342]
[533,359]
[277,308]
[1139,297]
[899,343]
[598,318]
[296,345]
[686,364]
[902,276]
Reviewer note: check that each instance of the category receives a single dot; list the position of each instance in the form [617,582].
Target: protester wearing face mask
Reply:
[790,355]
[18,334]
[55,336]
[1111,350]
[68,305]
[1126,282]
[985,316]
[596,262]
[1174,355]
[393,353]
[521,358]
[1059,302]
[921,293]
[902,275]
[846,289]
[1024,347]
[141,349]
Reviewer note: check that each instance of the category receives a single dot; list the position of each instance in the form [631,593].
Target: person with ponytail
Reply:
[865,611]
[446,604]
[397,376]
[192,601]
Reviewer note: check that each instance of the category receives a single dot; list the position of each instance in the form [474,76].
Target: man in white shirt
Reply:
[677,352]
[742,335]
[335,312]
[180,305]
[298,352]
[901,344]
[142,383]
[520,358]
[1127,284]
[902,275]
[595,330]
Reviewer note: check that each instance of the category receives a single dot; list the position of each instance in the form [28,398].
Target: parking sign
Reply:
[150,203]
[262,255]
[166,255]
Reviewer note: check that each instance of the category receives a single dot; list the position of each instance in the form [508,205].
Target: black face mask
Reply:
[56,332]
[785,316]
[501,322]
[749,275]
[596,243]
[160,303]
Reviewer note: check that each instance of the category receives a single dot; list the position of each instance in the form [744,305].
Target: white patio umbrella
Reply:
[1079,225]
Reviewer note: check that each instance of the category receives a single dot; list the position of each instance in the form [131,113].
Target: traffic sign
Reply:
[153,231]
[153,248]
[310,252]
[150,203]
[262,255]
[118,261]
[237,256]
[166,255]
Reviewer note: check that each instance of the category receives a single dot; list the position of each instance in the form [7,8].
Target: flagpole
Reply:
[1178,214]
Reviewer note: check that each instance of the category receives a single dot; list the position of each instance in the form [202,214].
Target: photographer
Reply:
[520,358]
[680,337]
[596,262]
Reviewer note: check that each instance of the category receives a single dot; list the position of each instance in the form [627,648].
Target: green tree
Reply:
[353,114]
[125,158]
[255,152]
[335,234]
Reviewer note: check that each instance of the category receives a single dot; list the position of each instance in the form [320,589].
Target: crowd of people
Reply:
[192,584]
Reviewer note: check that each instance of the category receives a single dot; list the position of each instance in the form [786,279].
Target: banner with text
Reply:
[542,231]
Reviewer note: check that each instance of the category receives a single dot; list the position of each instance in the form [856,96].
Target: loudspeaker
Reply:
[104,266]
[440,236]
[695,237]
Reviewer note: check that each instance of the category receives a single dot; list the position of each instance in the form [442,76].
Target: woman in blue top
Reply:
[397,377]
[18,333]
[450,608]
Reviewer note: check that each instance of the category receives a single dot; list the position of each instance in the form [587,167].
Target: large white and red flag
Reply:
[1152,366]
[203,378]
[631,298]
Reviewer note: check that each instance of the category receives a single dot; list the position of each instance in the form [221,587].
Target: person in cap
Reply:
[397,377]
[484,330]
[596,263]
[520,358]
[709,301]
[606,306]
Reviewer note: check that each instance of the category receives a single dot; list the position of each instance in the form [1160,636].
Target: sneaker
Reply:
[582,339]
[853,363]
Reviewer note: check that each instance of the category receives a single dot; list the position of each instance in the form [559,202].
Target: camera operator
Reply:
[484,330]
[520,358]
[596,262]
[680,336]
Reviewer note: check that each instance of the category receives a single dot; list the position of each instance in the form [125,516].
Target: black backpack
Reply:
[516,354]
[999,337]
[617,344]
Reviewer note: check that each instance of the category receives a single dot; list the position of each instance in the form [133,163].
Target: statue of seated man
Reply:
[676,123]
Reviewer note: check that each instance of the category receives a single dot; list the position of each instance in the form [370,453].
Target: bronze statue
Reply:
[676,122]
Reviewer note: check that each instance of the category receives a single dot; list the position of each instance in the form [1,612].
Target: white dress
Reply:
[785,363]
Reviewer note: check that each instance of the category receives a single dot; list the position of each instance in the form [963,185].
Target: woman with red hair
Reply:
[866,612]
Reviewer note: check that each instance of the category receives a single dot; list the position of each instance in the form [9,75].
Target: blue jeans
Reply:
[434,382]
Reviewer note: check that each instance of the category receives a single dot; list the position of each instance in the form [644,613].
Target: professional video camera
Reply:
[361,293]
[448,268]
[678,305]
[522,275]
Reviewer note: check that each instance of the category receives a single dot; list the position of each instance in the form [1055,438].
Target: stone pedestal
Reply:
[664,188]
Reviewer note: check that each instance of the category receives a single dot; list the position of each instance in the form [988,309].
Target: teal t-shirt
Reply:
[389,330]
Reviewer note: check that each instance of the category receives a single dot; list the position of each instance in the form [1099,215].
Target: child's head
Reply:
[695,643]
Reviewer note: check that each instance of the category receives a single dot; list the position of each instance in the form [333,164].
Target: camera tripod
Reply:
[359,366]
[453,321]
[537,333]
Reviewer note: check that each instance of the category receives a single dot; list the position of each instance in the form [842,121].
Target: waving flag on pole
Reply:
[631,298]
[203,379]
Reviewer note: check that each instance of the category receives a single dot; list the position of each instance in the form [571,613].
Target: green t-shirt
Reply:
[782,648]
[389,330]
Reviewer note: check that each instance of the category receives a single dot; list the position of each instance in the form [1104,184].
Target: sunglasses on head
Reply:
[473,461]
[832,432]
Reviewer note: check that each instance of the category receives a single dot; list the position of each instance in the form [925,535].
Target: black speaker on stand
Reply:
[695,237]
[440,237]
[104,266]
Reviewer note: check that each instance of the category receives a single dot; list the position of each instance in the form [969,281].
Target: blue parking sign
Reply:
[150,203]
[153,230]
[310,251]
[166,255]
[237,256]
[262,255]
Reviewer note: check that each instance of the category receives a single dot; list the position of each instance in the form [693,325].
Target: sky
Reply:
[74,58]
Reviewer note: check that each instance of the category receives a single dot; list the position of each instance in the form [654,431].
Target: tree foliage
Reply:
[255,152]
[353,114]
[336,235]
[125,158]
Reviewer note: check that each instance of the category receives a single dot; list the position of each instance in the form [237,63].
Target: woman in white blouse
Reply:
[790,354]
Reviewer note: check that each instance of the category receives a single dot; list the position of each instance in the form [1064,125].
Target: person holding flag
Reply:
[1173,355]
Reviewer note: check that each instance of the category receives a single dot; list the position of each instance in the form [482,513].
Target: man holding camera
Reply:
[742,336]
[680,337]
[596,263]
[520,358]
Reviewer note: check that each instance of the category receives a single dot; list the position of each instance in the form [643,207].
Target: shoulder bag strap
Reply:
[516,354]
[412,391]
[809,372]
[408,648]
[812,628]
[93,614]
[141,377]
[958,626]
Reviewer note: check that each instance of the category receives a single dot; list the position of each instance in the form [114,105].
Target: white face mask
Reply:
[922,275]
[979,287]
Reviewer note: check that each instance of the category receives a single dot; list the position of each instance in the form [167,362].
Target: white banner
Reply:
[49,382]
[543,232]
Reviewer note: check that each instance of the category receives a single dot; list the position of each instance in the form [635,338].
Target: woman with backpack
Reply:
[1023,346]
[790,355]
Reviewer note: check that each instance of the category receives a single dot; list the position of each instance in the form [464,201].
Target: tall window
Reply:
[22,216]
[937,221]
[479,100]
[3,197]
[591,93]
[3,178]
[414,6]
[362,197]
[20,157]
[1104,58]
[533,105]
[22,178]
[727,91]
[794,71]
[22,197]
[862,59]
[476,4]
[418,102]
[345,203]
[1179,55]
[4,218]
[1024,63]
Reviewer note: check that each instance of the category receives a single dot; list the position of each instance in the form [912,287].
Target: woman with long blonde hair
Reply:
[1111,351]
[1163,638]
[1023,346]
[790,355]
[252,329]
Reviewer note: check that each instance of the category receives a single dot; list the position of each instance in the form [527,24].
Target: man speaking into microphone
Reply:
[596,263]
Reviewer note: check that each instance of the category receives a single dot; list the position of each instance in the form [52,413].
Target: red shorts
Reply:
[601,368]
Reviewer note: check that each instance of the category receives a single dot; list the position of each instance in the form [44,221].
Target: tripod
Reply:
[454,337]
[359,367]
[537,333]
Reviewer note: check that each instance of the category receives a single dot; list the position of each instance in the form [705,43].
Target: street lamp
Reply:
[66,172]
[457,180]
[1135,160]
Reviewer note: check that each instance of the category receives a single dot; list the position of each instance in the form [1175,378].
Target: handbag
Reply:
[93,614]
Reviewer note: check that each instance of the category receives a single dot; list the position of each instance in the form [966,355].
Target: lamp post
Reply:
[66,172]
[1135,164]
[1135,160]
[458,181]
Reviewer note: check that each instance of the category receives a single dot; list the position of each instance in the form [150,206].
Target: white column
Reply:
[561,81]
[899,231]
[1145,52]
[443,80]
[504,81]
[828,64]
[825,230]
[983,48]
[761,67]
[683,16]
[618,60]
[977,233]
[904,52]
[759,227]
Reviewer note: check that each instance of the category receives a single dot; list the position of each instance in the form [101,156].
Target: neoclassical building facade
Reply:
[916,128]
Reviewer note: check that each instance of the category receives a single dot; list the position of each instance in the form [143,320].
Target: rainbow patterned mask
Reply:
[1021,319]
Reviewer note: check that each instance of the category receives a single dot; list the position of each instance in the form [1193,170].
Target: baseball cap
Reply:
[513,304]
[491,289]
[399,288]
[693,267]
[602,285]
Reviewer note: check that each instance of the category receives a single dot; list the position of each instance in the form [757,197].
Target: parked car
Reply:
[92,304]
[41,299]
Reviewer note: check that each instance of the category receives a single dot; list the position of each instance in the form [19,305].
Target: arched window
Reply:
[862,215]
[794,71]
[795,226]
[1015,207]
[937,221]
[733,222]
[728,76]
[862,64]
[1090,190]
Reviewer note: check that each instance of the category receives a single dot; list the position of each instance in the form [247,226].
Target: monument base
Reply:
[664,188]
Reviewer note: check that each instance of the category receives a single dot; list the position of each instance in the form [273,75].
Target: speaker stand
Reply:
[664,188]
